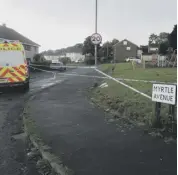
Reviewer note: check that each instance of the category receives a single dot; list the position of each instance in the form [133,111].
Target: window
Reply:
[27,47]
[125,43]
[128,48]
[11,58]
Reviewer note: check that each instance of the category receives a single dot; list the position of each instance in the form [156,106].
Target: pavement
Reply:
[78,132]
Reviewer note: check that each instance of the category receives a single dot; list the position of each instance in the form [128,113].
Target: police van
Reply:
[13,65]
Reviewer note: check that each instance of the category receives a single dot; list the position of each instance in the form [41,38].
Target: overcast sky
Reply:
[55,24]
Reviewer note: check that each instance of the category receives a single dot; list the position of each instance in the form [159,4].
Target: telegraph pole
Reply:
[96,37]
[96,28]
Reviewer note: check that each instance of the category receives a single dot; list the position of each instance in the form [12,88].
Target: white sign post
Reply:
[96,39]
[164,93]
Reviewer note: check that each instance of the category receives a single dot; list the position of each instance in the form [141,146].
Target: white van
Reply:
[13,65]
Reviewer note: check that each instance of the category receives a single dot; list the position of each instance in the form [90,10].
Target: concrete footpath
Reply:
[78,133]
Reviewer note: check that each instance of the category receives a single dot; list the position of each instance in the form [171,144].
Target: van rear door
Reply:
[12,66]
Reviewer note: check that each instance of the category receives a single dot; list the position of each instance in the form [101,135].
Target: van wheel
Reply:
[26,87]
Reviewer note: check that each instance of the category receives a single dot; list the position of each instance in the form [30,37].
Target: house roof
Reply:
[11,34]
[122,41]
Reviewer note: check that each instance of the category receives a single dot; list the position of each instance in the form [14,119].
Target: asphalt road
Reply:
[82,135]
[13,159]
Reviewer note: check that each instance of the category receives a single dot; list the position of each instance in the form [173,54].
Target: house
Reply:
[31,48]
[149,52]
[75,57]
[124,49]
[51,57]
[153,49]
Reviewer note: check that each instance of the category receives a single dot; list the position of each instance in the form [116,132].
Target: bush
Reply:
[90,60]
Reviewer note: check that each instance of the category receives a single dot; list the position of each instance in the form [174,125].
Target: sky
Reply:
[56,24]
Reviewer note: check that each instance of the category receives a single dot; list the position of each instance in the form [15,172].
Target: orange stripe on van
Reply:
[15,76]
[19,71]
[5,72]
[11,80]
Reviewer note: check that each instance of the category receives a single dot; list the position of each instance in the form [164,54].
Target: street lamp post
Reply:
[96,23]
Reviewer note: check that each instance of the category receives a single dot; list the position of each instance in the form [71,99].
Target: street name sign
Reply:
[164,93]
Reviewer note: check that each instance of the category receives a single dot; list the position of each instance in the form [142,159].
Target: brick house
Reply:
[124,49]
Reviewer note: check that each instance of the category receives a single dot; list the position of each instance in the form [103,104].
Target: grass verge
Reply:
[123,102]
[128,104]
[125,70]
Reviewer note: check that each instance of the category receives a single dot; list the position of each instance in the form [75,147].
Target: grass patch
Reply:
[127,103]
[125,70]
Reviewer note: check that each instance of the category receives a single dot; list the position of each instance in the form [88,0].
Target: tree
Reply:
[163,42]
[107,50]
[173,38]
[65,60]
[163,37]
[163,48]
[37,58]
[88,47]
[154,40]
[79,45]
[114,41]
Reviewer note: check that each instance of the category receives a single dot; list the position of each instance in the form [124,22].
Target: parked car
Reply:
[58,66]
[133,59]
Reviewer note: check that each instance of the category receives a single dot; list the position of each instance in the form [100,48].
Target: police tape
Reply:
[144,81]
[40,69]
[106,76]
[65,66]
[69,74]
[120,82]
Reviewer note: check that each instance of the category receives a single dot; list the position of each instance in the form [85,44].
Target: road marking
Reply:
[47,85]
[133,89]
[72,74]
[88,76]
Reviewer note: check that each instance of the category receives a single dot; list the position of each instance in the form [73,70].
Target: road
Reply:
[83,136]
[13,160]
[89,141]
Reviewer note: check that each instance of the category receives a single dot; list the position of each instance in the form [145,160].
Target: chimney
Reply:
[4,24]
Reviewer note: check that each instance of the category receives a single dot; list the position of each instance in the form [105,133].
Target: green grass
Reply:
[124,101]
[128,103]
[125,70]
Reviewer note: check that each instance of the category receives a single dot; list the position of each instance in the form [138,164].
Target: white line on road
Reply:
[133,89]
[72,74]
[47,85]
[88,76]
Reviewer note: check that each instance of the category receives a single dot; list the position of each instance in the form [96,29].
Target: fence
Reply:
[156,60]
